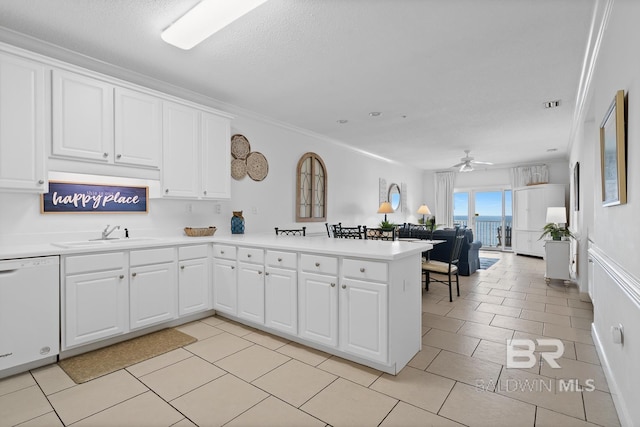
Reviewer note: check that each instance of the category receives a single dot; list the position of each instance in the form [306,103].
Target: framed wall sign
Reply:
[73,197]
[613,153]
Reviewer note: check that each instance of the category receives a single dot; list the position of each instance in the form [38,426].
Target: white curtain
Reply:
[528,175]
[444,198]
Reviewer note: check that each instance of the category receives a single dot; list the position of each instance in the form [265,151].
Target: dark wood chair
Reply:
[331,229]
[379,234]
[449,268]
[296,232]
[348,232]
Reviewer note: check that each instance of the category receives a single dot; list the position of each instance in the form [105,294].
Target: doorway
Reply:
[489,213]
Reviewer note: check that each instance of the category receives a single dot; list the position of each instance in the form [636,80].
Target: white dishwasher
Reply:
[29,312]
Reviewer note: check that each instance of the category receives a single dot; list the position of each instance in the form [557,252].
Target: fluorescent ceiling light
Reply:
[204,19]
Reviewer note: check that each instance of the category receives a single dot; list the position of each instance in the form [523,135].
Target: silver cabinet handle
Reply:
[166,191]
[105,155]
[233,266]
[41,181]
[205,192]
[362,270]
[344,286]
[118,156]
[121,276]
[134,274]
[259,272]
[317,264]
[333,285]
[182,267]
[222,252]
[266,273]
[279,259]
[248,255]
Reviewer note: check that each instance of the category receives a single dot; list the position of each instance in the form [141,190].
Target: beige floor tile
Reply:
[159,362]
[409,416]
[181,377]
[570,311]
[502,310]
[252,362]
[52,378]
[540,391]
[479,289]
[304,354]
[469,370]
[539,316]
[435,308]
[600,409]
[419,388]
[569,346]
[441,322]
[581,304]
[486,332]
[273,412]
[567,333]
[547,418]
[264,339]
[448,341]
[518,324]
[344,403]
[508,294]
[218,346]
[184,423]
[587,374]
[16,382]
[86,399]
[234,328]
[587,353]
[214,320]
[474,407]
[424,357]
[491,351]
[471,315]
[532,289]
[219,401]
[351,371]
[295,382]
[23,405]
[199,330]
[146,409]
[485,298]
[50,419]
[581,323]
[460,304]
[547,300]
[529,305]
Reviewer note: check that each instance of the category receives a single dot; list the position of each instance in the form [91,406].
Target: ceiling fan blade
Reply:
[458,164]
[476,162]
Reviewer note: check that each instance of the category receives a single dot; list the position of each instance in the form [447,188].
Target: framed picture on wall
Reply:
[576,186]
[613,153]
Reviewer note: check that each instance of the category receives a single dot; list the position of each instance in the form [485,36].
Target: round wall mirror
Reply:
[394,196]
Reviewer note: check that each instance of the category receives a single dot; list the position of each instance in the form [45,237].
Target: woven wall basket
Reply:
[257,166]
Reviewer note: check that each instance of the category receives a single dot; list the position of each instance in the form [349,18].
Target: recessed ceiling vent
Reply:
[552,104]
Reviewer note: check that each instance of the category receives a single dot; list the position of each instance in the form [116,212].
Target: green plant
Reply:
[386,225]
[556,232]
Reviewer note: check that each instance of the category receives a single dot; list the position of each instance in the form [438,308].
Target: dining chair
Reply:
[291,232]
[379,233]
[449,268]
[331,229]
[348,232]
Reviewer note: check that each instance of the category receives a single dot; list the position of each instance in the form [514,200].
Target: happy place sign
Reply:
[84,198]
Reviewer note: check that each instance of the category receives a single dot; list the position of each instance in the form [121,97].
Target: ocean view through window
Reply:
[488,213]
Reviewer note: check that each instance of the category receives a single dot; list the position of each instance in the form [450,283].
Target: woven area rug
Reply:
[94,364]
[485,263]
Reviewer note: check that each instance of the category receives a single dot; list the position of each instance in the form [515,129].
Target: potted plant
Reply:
[556,232]
[386,225]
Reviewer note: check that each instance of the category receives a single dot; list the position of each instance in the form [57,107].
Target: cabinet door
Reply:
[363,319]
[82,117]
[318,303]
[251,292]
[193,284]
[281,300]
[180,139]
[138,128]
[22,125]
[95,307]
[215,157]
[224,286]
[153,294]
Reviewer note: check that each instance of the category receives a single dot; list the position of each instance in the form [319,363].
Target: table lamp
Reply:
[557,215]
[424,210]
[385,208]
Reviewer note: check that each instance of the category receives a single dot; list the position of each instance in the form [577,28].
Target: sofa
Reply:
[469,257]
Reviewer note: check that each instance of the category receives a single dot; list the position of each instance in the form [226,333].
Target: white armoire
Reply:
[530,213]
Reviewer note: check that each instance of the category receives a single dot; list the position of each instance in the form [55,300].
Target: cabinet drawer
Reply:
[224,251]
[192,252]
[95,262]
[319,264]
[281,259]
[251,255]
[152,256]
[360,269]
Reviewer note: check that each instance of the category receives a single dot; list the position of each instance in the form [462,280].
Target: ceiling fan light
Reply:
[466,167]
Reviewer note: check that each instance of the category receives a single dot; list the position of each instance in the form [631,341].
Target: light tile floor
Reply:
[238,376]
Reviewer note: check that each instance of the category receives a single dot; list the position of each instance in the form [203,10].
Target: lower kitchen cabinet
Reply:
[225,299]
[318,305]
[251,292]
[153,294]
[281,299]
[193,285]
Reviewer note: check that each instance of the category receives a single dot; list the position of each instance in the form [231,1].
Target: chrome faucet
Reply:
[106,231]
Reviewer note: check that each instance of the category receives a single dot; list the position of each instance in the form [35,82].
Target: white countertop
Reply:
[375,249]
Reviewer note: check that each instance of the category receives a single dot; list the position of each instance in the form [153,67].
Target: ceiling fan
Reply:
[466,163]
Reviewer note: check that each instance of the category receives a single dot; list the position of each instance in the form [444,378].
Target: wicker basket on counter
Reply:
[200,232]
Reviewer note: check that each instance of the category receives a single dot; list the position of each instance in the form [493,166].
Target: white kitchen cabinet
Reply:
[153,287]
[251,284]
[281,291]
[95,299]
[138,128]
[530,213]
[23,125]
[318,308]
[193,279]
[225,281]
[557,260]
[196,161]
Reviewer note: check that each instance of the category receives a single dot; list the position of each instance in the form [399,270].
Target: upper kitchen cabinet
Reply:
[23,124]
[97,121]
[196,153]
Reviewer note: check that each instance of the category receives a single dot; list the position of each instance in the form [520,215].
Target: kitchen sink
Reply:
[101,243]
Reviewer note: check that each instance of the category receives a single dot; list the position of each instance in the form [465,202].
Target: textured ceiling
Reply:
[447,75]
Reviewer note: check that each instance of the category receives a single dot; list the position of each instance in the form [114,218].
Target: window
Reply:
[311,189]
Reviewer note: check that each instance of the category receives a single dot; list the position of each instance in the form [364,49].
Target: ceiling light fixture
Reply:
[552,104]
[204,19]
[342,121]
[375,113]
[466,168]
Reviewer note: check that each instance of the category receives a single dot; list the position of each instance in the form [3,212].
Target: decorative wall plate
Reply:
[257,166]
[238,168]
[240,147]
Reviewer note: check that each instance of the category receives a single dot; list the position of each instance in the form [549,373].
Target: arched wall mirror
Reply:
[311,189]
[394,196]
